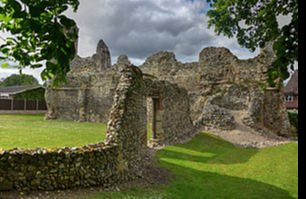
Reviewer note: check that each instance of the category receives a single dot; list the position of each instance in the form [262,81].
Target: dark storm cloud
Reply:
[139,28]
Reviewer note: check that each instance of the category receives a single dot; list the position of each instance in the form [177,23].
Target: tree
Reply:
[19,80]
[254,23]
[41,33]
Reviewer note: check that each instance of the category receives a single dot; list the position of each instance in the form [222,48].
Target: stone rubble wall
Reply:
[217,84]
[275,117]
[216,70]
[86,97]
[174,123]
[127,126]
[44,169]
[65,100]
[88,94]
[118,159]
[215,116]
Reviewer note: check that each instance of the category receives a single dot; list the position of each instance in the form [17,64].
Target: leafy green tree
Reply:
[41,33]
[254,23]
[19,80]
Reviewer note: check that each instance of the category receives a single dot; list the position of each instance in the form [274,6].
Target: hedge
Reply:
[294,118]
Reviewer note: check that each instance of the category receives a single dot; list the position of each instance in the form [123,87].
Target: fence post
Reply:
[37,103]
[25,104]
[12,104]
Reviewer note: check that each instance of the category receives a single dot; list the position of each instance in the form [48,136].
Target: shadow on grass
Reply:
[191,183]
[205,148]
[209,149]
[194,184]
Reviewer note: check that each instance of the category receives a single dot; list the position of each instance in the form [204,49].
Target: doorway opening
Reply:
[154,120]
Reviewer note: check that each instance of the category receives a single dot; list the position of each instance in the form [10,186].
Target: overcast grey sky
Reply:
[139,28]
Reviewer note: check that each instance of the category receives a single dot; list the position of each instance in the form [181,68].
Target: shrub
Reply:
[294,118]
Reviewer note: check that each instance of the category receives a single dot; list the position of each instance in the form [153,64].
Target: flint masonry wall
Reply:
[220,83]
[217,84]
[118,159]
[173,122]
[275,117]
[89,91]
[84,98]
[216,70]
[43,169]
[127,127]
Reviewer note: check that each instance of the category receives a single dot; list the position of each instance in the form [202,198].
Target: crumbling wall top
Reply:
[161,58]
[102,57]
[123,60]
[216,57]
[99,62]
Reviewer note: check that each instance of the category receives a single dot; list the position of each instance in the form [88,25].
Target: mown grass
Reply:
[208,167]
[31,131]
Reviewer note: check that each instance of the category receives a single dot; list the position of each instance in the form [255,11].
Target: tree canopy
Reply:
[19,80]
[254,23]
[41,34]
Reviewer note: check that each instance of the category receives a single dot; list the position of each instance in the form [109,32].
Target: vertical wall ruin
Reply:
[274,109]
[127,126]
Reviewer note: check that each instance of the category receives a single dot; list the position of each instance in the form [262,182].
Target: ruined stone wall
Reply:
[173,120]
[127,127]
[65,100]
[216,70]
[118,159]
[217,84]
[88,103]
[275,117]
[44,169]
[220,83]
[88,93]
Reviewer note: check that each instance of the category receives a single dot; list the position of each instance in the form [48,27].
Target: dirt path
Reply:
[246,137]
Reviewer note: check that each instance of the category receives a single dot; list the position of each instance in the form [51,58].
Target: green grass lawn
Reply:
[31,131]
[206,167]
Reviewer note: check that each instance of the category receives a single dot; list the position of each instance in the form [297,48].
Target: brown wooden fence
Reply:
[20,105]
